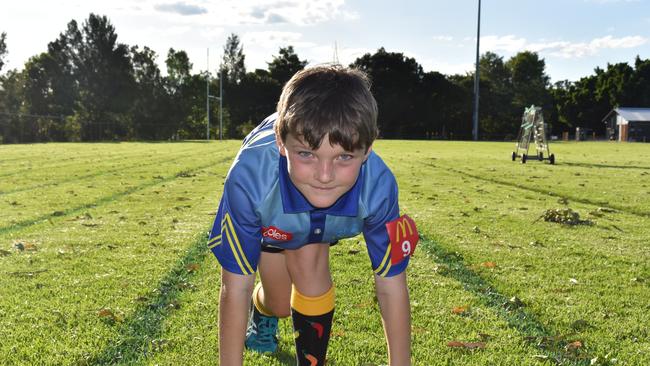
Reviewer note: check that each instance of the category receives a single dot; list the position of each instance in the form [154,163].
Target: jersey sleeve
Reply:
[235,238]
[384,208]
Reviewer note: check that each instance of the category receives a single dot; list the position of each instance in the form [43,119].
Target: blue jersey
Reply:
[261,206]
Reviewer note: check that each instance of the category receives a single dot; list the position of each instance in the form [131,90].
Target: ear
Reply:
[367,153]
[280,144]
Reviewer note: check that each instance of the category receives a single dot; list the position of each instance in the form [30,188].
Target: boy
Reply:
[303,179]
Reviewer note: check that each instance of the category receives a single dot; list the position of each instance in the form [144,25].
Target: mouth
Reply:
[323,189]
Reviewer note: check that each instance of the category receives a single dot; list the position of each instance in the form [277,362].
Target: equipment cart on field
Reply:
[532,126]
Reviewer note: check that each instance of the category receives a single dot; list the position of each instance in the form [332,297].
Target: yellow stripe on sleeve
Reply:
[383,263]
[238,252]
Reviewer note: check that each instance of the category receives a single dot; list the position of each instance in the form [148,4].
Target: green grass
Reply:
[114,268]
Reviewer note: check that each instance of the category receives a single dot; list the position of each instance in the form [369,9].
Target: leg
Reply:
[270,301]
[312,302]
[275,292]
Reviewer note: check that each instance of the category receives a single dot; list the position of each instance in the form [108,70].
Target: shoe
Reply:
[261,335]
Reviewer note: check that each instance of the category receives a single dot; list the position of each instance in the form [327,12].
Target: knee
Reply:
[281,309]
[309,261]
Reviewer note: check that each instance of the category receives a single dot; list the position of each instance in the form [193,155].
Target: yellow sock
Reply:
[258,304]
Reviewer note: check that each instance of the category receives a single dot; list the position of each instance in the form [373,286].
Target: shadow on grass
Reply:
[139,334]
[625,209]
[510,308]
[586,165]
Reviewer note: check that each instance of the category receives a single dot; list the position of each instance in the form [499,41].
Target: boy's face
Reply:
[321,175]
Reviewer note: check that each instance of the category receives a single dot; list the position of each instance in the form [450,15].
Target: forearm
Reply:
[395,308]
[234,302]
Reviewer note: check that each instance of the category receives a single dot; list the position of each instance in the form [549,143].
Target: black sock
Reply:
[312,337]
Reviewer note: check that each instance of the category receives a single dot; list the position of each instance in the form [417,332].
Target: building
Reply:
[628,124]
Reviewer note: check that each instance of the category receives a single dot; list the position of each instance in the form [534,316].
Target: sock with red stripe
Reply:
[312,323]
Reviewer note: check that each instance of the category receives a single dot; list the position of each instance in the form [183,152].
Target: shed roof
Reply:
[632,114]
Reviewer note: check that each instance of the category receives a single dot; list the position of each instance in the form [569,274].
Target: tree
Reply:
[179,69]
[284,66]
[63,69]
[3,48]
[12,127]
[444,106]
[497,116]
[396,81]
[178,82]
[232,66]
[641,82]
[530,85]
[614,86]
[250,101]
[529,80]
[152,104]
[104,73]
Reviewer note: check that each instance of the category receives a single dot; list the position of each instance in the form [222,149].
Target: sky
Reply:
[572,36]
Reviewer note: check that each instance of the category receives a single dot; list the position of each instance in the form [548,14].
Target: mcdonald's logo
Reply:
[403,237]
[402,225]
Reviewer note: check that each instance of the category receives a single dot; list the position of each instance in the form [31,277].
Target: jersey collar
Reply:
[294,202]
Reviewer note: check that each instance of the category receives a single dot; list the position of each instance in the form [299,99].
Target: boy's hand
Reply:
[234,306]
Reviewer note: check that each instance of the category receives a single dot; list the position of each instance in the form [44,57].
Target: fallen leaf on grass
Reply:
[192,267]
[489,264]
[109,315]
[24,245]
[460,310]
[573,346]
[467,345]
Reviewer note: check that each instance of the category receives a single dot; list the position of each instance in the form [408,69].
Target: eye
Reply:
[346,157]
[305,154]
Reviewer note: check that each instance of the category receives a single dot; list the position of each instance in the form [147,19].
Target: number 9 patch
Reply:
[403,238]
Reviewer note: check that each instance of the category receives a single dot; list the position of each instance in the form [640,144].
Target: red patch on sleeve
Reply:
[403,238]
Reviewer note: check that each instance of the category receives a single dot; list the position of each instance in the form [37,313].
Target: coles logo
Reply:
[274,233]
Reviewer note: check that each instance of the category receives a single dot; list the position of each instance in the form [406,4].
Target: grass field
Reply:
[103,257]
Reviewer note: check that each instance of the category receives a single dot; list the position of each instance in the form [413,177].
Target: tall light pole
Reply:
[207,96]
[476,75]
[220,105]
[219,98]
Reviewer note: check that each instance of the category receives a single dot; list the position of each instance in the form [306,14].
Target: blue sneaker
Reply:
[261,335]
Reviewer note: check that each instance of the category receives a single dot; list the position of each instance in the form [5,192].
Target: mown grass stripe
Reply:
[598,166]
[515,315]
[103,200]
[546,192]
[138,333]
[79,160]
[92,175]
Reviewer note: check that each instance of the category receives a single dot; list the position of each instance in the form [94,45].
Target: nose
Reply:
[325,172]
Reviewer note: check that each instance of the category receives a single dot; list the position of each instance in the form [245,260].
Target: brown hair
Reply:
[328,99]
